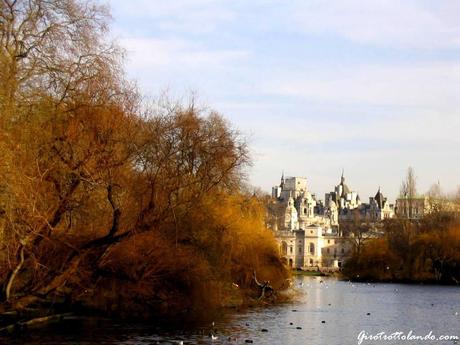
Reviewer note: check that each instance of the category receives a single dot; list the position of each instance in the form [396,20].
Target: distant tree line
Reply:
[423,249]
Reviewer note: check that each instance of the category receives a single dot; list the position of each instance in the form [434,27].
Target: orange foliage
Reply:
[107,202]
[428,250]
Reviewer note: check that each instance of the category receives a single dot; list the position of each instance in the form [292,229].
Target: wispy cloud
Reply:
[419,85]
[148,53]
[370,86]
[406,24]
[191,16]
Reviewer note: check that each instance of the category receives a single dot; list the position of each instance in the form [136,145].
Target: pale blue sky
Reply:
[317,86]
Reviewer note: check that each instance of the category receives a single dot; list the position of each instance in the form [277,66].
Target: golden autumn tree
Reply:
[101,193]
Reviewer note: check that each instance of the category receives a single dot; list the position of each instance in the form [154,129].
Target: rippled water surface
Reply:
[329,312]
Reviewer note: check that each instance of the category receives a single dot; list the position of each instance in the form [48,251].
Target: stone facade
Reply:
[345,205]
[307,230]
[343,197]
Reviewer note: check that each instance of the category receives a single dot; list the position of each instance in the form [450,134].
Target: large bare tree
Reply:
[88,171]
[408,190]
[52,47]
[56,71]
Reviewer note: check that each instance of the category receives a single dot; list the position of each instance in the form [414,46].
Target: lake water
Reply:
[327,312]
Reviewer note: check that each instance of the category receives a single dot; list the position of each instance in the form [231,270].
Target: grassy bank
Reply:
[308,273]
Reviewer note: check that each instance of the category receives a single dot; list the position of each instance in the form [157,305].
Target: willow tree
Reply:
[83,168]
[88,171]
[58,81]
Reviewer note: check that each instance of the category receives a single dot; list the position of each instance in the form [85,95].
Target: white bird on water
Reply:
[213,337]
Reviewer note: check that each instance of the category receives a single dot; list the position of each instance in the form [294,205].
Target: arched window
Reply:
[305,210]
[283,248]
[312,249]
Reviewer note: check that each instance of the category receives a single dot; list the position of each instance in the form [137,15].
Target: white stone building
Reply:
[308,231]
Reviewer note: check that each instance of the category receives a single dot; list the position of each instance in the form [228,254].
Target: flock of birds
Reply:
[213,332]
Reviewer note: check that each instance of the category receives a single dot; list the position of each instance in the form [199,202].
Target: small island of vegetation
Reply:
[108,203]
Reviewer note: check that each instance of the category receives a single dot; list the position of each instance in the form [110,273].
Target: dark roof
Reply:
[379,198]
[345,189]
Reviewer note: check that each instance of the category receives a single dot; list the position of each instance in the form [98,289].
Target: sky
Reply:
[371,87]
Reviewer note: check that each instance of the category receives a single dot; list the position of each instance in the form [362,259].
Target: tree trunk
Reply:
[14,273]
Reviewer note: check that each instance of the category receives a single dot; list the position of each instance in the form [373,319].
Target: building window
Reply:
[328,251]
[283,248]
[305,211]
[343,251]
[311,262]
[312,249]
[290,249]
[300,249]
[328,241]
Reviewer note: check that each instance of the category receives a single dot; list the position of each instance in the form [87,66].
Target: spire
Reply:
[379,198]
[342,179]
[282,179]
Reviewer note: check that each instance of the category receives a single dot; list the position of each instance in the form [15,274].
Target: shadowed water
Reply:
[327,312]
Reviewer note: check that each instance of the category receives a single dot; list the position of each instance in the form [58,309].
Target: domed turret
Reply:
[291,219]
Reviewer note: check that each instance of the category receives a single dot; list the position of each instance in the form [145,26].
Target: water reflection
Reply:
[327,311]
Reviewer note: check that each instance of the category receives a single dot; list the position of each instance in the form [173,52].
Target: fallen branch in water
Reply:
[35,323]
[264,287]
